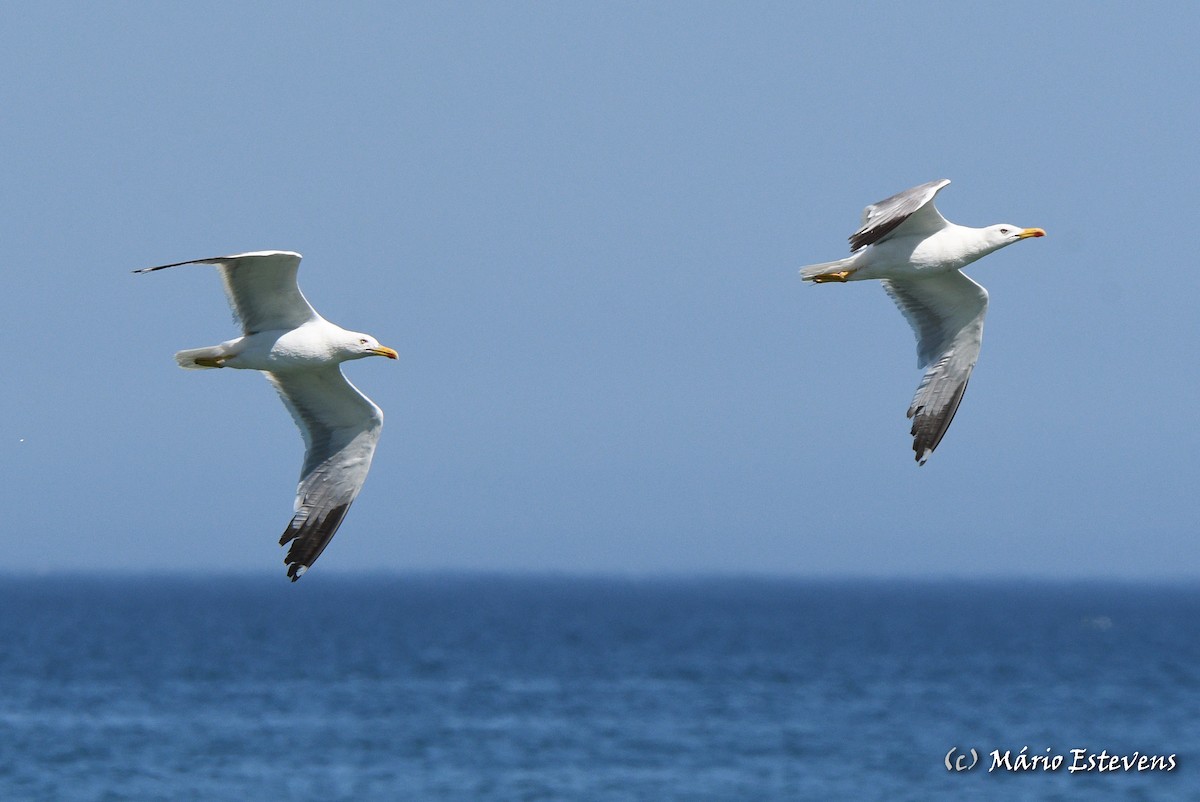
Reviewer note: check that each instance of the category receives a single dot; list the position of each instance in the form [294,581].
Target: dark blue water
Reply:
[493,688]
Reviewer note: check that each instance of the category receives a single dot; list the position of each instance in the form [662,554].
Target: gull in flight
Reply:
[917,254]
[299,352]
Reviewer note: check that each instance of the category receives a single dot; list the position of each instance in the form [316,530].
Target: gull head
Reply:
[996,237]
[1003,234]
[364,345]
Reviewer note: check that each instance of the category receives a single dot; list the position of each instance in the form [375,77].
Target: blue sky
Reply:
[581,225]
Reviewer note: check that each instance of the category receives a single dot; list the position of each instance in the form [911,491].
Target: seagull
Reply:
[917,254]
[299,352]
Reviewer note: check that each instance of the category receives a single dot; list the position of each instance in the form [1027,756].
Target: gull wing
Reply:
[905,213]
[261,287]
[341,427]
[946,311]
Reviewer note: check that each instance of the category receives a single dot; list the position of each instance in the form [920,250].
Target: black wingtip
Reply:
[308,538]
[928,430]
[159,267]
[209,261]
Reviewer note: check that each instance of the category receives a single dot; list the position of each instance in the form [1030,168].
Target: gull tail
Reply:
[213,356]
[828,271]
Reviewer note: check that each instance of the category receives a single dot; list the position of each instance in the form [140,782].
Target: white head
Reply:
[358,345]
[1002,234]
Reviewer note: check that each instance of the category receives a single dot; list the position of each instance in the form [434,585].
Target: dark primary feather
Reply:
[309,537]
[885,216]
[213,260]
[931,422]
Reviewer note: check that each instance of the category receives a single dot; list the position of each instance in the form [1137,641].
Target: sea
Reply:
[493,687]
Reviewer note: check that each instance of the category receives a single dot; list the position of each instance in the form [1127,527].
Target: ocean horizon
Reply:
[481,686]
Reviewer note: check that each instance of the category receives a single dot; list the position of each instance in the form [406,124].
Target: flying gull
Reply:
[299,352]
[917,254]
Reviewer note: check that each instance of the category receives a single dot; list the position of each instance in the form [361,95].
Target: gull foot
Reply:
[210,362]
[841,276]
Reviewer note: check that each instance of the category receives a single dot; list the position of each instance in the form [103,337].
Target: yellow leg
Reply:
[210,362]
[841,276]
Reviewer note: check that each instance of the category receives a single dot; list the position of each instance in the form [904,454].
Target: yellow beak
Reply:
[385,351]
[1031,232]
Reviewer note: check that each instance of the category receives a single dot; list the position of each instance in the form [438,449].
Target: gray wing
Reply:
[340,426]
[261,287]
[946,311]
[913,209]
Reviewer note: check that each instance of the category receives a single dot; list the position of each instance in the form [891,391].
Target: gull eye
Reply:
[1004,231]
[362,341]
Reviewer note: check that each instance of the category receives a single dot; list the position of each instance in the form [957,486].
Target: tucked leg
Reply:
[841,276]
